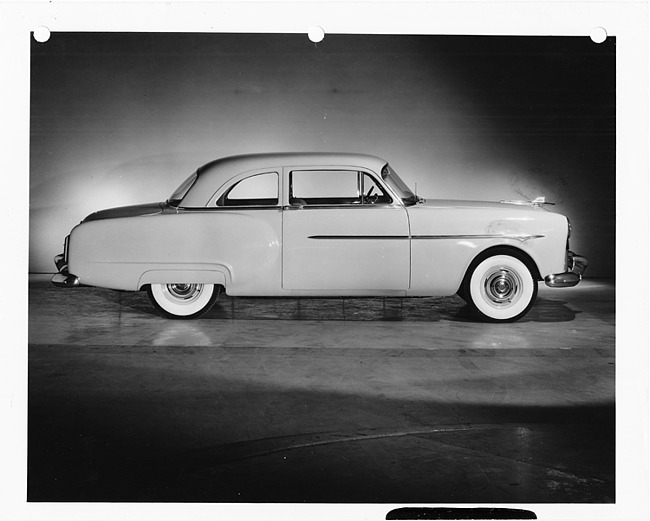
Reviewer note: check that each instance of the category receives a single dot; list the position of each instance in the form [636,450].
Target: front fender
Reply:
[445,241]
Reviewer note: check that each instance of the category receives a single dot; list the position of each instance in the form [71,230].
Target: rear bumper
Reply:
[576,265]
[63,279]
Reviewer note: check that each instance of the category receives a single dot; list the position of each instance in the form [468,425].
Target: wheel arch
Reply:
[166,276]
[501,250]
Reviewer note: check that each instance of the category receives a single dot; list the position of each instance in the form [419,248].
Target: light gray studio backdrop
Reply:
[119,118]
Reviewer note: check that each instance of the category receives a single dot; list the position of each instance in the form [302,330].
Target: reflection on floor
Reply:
[320,400]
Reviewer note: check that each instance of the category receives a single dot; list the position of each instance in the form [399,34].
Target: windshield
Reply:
[399,187]
[176,198]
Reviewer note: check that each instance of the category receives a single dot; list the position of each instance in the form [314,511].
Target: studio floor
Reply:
[320,400]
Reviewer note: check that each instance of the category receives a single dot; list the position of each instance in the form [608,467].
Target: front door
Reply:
[343,234]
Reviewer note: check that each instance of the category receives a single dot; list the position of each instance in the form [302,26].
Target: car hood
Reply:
[126,211]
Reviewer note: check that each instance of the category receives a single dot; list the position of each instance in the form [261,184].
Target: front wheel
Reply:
[501,288]
[183,300]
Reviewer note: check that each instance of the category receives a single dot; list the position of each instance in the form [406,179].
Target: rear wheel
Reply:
[183,300]
[501,288]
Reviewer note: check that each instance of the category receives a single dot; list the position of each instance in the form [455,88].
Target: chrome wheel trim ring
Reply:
[183,292]
[502,287]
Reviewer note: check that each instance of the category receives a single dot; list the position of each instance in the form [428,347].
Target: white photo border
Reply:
[626,20]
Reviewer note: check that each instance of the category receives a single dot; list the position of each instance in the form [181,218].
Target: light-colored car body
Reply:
[227,225]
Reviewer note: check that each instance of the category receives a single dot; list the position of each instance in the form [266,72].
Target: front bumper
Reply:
[64,279]
[576,266]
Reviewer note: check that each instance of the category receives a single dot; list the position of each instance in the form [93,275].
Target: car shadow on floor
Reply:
[416,309]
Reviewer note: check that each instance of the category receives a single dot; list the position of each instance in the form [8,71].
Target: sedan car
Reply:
[319,225]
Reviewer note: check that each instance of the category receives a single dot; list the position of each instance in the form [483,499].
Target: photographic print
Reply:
[331,271]
[389,398]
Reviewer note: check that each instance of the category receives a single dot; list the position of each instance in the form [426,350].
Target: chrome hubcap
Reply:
[502,287]
[184,291]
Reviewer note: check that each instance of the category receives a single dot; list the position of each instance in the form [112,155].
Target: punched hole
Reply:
[598,35]
[41,34]
[316,34]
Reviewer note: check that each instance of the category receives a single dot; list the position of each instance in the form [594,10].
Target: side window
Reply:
[373,193]
[325,186]
[335,187]
[256,190]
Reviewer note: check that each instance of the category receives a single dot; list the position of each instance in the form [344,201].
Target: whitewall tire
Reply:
[183,300]
[501,288]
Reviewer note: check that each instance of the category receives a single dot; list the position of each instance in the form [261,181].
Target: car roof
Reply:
[214,174]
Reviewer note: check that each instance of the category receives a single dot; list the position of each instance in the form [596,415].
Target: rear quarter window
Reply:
[256,190]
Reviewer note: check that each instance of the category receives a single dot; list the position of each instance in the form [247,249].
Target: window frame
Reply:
[218,200]
[361,174]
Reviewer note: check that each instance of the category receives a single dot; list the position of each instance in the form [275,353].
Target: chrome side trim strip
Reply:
[478,236]
[521,238]
[359,237]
